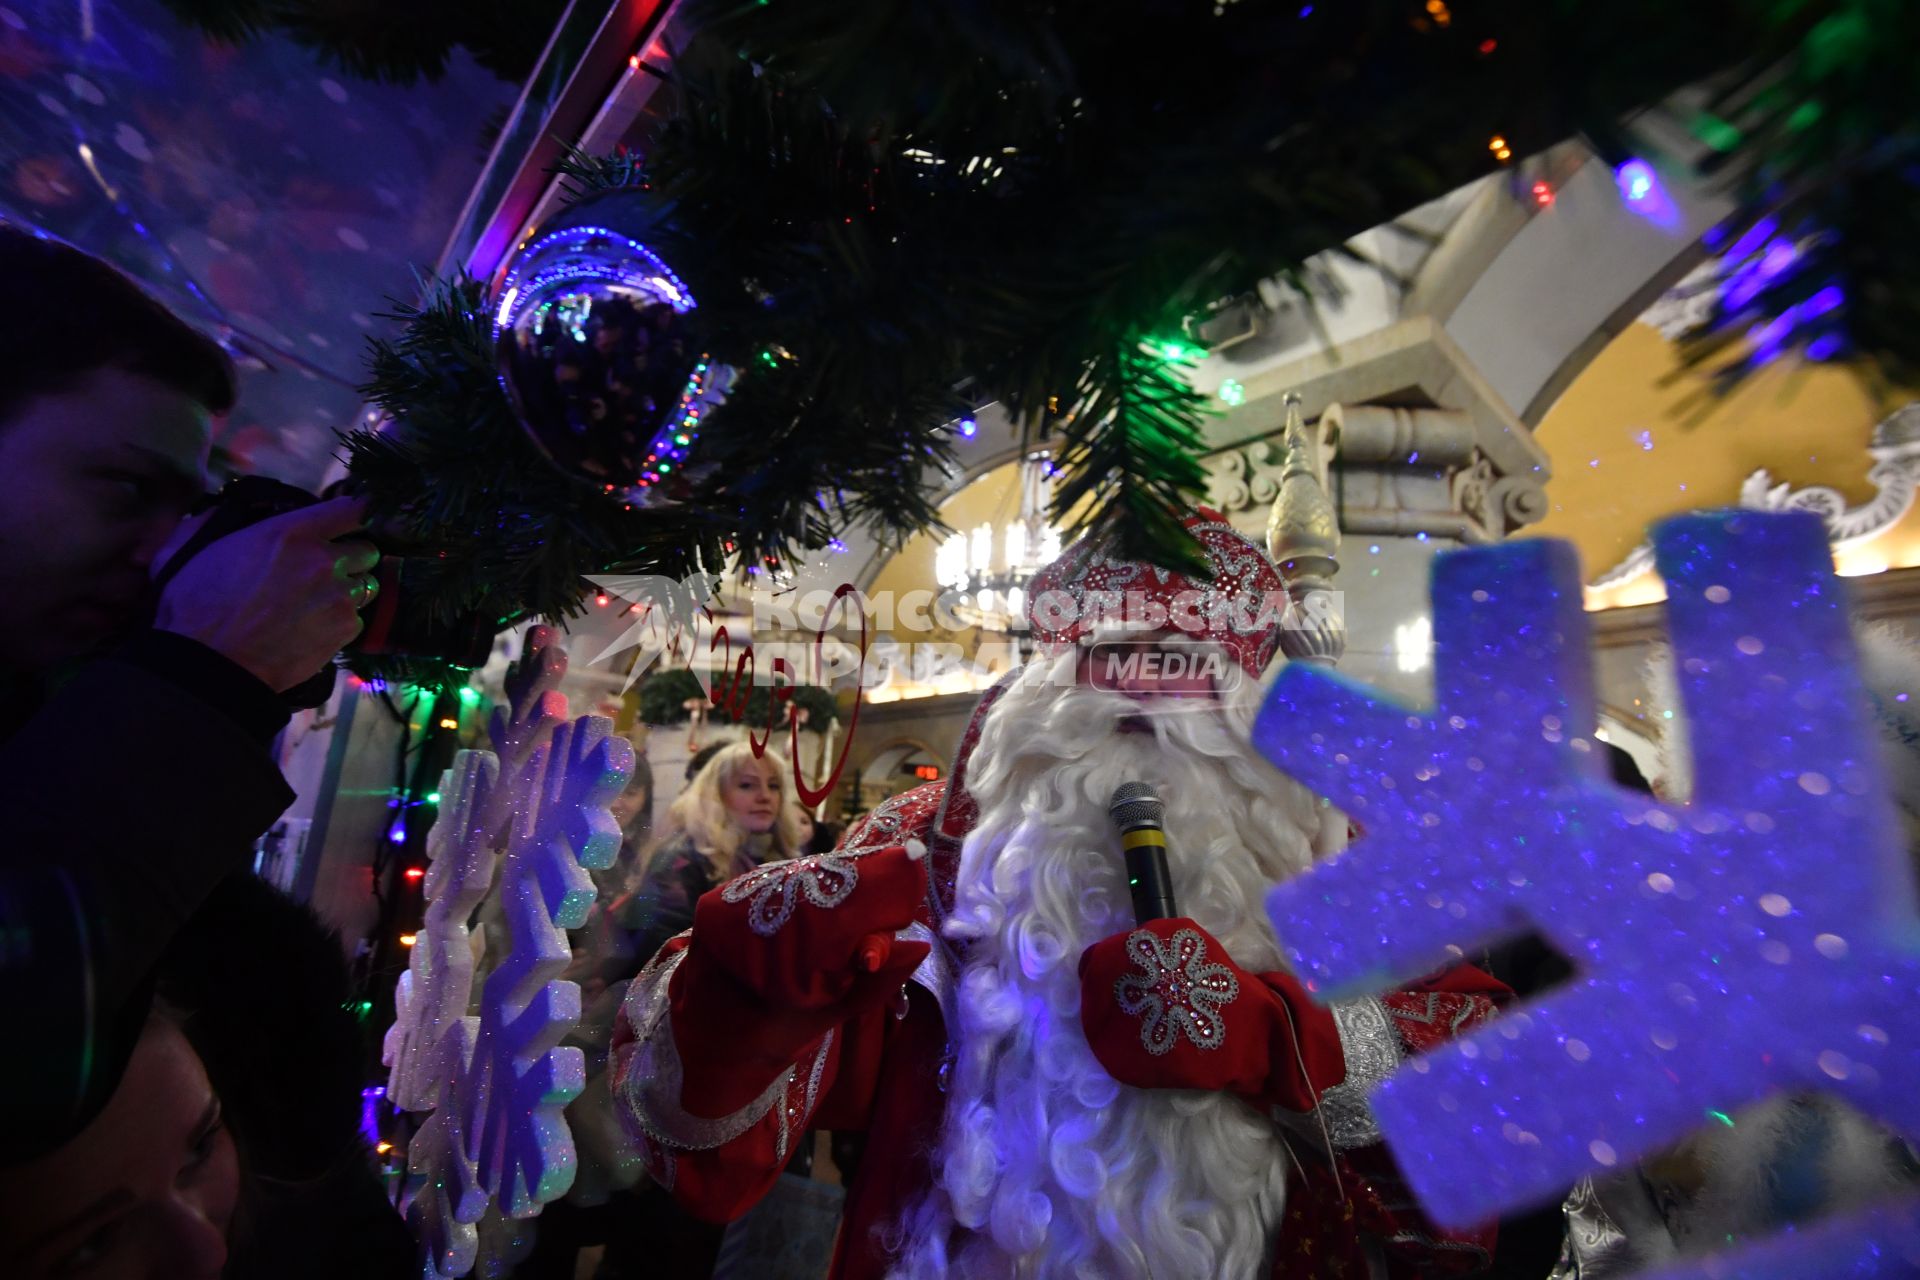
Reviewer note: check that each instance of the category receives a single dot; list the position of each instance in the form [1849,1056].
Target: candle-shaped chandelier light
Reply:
[989,590]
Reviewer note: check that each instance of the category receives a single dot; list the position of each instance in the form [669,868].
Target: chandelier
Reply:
[990,591]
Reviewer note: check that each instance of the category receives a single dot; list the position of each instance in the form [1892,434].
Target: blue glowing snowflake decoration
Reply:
[1763,938]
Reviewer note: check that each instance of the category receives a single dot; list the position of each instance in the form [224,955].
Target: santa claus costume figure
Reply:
[1048,1088]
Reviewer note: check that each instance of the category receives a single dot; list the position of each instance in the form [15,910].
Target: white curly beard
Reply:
[1045,1167]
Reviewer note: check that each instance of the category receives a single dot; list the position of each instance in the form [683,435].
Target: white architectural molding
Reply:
[1895,476]
[1443,456]
[1571,272]
[1447,341]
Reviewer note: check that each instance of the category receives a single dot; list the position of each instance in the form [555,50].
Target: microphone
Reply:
[1138,811]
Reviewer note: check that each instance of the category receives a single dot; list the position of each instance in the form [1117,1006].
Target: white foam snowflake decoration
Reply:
[492,1072]
[521,1080]
[437,987]
[444,1199]
[1763,938]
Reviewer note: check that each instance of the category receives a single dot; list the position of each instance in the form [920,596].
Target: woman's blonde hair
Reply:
[701,814]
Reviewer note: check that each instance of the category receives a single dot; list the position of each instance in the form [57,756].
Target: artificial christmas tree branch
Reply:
[879,203]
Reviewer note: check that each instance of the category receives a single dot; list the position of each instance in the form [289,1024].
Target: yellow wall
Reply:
[994,499]
[1806,424]
[1633,439]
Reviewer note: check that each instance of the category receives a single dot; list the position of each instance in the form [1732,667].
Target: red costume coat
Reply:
[717,1081]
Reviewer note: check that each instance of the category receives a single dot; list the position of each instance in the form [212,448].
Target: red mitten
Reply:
[742,1040]
[1165,1007]
[799,934]
[784,954]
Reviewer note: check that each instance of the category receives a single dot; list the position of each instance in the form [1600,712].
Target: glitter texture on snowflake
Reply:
[491,1071]
[1762,938]
[520,1081]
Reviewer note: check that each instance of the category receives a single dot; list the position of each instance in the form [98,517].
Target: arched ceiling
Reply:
[1637,437]
[992,498]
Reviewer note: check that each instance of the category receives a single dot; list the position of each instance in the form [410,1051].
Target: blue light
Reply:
[1641,192]
[1824,347]
[397,833]
[1635,179]
[1778,257]
[1306,11]
[1761,232]
[1748,281]
[1822,302]
[969,428]
[1768,338]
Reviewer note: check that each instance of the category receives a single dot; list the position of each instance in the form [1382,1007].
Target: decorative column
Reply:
[1403,472]
[1427,450]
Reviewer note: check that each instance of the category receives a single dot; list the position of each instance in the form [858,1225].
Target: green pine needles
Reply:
[894,211]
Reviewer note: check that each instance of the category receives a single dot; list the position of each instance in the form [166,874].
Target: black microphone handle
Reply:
[1151,883]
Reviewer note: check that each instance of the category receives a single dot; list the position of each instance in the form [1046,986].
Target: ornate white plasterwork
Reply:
[1444,480]
[1895,476]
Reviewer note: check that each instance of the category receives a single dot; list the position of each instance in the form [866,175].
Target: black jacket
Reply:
[662,904]
[127,793]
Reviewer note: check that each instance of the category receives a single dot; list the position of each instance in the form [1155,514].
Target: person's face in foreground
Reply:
[145,1192]
[99,475]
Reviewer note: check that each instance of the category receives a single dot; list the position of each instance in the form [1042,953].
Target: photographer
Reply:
[110,840]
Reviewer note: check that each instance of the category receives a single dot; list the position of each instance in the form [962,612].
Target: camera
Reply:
[391,629]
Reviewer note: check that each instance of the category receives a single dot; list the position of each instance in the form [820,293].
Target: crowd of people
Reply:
[182,1082]
[1022,1075]
[157,999]
[736,813]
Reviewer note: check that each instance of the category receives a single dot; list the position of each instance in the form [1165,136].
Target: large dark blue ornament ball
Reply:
[599,353]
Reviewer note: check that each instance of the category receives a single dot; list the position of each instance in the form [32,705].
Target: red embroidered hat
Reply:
[1241,609]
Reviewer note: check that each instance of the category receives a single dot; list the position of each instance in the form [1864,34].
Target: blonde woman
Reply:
[737,813]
